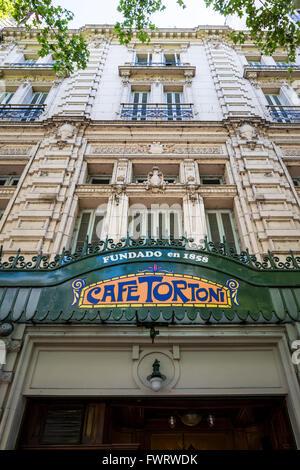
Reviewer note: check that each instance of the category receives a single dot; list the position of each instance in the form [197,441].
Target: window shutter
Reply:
[214,229]
[83,229]
[97,229]
[5,97]
[149,217]
[228,229]
[38,98]
[63,426]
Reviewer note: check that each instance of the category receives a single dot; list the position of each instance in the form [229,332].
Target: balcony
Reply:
[160,111]
[155,68]
[21,112]
[285,113]
[19,68]
[279,70]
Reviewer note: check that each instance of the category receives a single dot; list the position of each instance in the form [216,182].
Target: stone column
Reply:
[157,92]
[187,91]
[116,221]
[157,55]
[194,217]
[193,206]
[15,55]
[267,60]
[22,94]
[125,92]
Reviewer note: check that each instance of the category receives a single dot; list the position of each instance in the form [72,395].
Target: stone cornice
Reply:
[107,31]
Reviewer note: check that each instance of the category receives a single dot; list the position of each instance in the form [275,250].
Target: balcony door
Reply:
[155,223]
[174,106]
[221,224]
[38,97]
[5,97]
[171,59]
[139,110]
[89,225]
[276,108]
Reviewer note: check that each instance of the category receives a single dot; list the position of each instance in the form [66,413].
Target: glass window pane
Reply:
[63,426]
[228,229]
[83,229]
[213,226]
[97,229]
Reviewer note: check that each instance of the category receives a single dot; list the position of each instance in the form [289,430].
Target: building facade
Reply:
[150,211]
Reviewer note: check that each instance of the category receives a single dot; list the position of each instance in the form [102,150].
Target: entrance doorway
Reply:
[158,424]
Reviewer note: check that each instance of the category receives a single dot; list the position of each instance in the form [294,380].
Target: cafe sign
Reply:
[155,287]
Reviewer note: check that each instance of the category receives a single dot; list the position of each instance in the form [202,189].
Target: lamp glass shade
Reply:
[156,383]
[191,419]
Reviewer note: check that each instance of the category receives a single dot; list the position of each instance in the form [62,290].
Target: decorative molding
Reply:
[6,377]
[12,345]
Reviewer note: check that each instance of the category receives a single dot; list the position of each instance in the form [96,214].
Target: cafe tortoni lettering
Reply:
[155,286]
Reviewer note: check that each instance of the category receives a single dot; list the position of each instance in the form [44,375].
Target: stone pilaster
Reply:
[266,209]
[233,91]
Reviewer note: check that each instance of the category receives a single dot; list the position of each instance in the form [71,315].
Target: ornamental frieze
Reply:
[148,148]
[14,150]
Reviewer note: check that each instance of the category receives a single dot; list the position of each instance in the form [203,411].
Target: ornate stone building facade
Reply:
[185,136]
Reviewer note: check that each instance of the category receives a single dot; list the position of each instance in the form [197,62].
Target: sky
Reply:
[105,12]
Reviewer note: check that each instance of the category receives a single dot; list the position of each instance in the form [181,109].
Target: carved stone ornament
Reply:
[248,133]
[188,78]
[156,148]
[12,345]
[155,181]
[119,189]
[64,134]
[215,41]
[6,377]
[191,189]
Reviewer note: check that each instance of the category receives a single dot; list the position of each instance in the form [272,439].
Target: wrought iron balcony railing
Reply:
[31,64]
[285,113]
[264,70]
[21,112]
[163,111]
[274,67]
[163,64]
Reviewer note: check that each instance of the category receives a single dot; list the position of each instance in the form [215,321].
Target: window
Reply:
[171,59]
[143,59]
[254,63]
[38,97]
[9,180]
[5,97]
[155,222]
[29,61]
[278,109]
[98,179]
[139,111]
[273,99]
[296,181]
[221,224]
[174,108]
[89,224]
[212,180]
